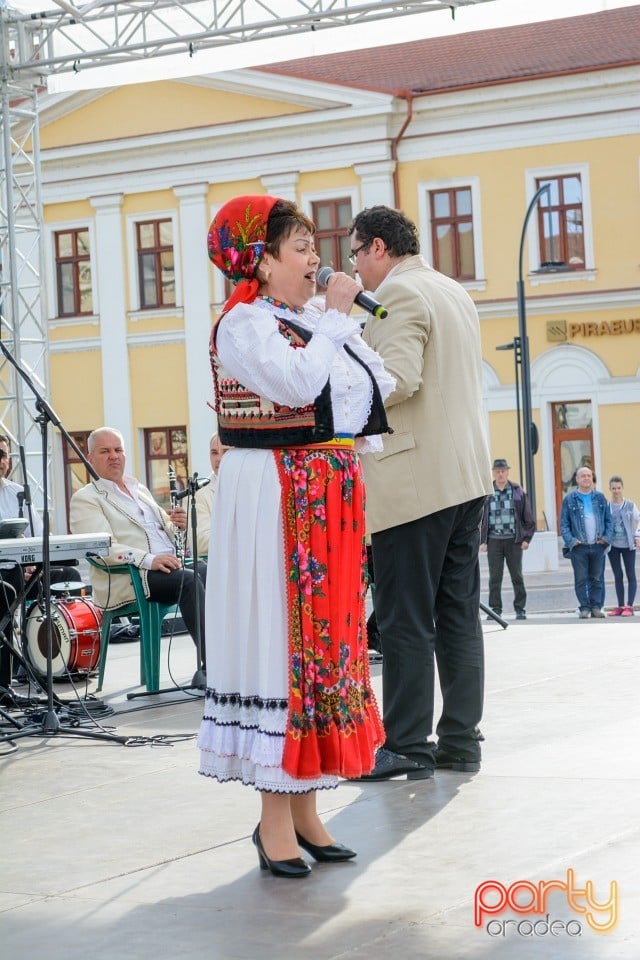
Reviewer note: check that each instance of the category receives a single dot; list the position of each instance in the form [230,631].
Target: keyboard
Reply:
[72,546]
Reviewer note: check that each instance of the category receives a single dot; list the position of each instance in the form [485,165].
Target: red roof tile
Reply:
[570,45]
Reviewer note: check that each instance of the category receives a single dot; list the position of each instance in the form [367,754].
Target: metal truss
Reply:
[76,36]
[22,317]
[79,36]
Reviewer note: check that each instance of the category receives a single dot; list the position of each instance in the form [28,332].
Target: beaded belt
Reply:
[344,440]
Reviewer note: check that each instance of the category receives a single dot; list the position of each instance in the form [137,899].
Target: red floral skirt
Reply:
[333,724]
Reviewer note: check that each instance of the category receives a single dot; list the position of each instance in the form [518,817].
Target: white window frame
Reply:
[136,311]
[318,196]
[533,236]
[51,287]
[425,187]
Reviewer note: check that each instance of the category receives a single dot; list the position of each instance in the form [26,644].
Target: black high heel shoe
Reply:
[280,868]
[331,853]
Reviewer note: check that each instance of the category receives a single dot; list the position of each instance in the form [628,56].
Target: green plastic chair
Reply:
[150,614]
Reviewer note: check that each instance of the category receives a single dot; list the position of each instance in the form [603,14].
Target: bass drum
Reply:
[75,637]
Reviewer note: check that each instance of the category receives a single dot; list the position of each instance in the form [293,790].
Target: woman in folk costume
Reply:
[289,707]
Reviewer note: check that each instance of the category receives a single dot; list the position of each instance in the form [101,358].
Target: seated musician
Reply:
[18,582]
[204,497]
[142,533]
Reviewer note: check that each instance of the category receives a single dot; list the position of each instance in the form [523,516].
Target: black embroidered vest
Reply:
[248,420]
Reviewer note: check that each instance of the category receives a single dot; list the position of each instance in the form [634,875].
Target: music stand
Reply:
[51,724]
[199,680]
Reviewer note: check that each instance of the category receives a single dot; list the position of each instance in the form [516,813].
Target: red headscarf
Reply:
[236,242]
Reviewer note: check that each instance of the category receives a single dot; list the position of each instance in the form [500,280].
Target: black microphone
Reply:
[363,299]
[200,482]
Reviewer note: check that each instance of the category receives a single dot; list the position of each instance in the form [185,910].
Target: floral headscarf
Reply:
[236,242]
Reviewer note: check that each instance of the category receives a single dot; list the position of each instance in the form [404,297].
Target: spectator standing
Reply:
[508,526]
[587,529]
[625,516]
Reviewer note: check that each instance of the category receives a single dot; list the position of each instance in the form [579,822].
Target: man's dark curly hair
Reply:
[397,232]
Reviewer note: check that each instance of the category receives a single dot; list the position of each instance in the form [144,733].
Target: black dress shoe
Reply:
[291,869]
[389,764]
[330,853]
[447,761]
[521,615]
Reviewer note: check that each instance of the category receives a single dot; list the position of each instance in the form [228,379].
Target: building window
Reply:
[156,270]
[73,272]
[332,219]
[76,474]
[452,241]
[561,222]
[165,447]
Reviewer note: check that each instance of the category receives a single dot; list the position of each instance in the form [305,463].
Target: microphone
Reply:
[363,299]
[200,482]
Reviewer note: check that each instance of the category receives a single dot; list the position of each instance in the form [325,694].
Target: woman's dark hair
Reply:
[285,216]
[397,232]
[615,479]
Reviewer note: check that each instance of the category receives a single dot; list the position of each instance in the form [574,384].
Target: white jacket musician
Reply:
[95,509]
[142,534]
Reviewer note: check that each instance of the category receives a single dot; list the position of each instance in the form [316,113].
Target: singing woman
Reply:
[289,708]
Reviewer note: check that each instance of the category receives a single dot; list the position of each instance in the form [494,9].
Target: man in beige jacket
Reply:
[425,494]
[141,534]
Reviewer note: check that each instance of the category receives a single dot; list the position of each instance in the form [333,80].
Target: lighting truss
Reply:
[79,36]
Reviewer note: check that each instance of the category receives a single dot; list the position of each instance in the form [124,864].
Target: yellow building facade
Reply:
[132,177]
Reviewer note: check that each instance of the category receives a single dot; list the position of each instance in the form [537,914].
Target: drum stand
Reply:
[50,724]
[199,680]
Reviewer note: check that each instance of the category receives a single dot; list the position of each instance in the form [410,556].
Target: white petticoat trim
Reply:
[271,780]
[246,743]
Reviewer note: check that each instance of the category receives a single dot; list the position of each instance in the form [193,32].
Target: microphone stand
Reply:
[51,724]
[199,680]
[24,498]
[494,616]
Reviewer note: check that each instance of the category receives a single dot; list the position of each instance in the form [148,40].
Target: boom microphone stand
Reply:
[51,724]
[199,680]
[494,616]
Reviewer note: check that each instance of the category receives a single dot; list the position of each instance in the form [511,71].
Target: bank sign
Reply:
[559,331]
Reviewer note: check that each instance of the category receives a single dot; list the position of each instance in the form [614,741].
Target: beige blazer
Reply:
[95,509]
[438,455]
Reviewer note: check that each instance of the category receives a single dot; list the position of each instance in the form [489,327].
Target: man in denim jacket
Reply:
[587,530]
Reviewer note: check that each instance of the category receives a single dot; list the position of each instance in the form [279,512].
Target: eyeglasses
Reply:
[3,454]
[353,256]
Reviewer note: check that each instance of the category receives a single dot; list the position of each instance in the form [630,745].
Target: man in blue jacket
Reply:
[587,530]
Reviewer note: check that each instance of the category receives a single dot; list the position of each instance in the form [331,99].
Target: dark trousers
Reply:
[497,552]
[427,605]
[618,556]
[587,560]
[180,587]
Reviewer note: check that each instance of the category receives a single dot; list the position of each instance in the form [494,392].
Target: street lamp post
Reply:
[530,431]
[517,357]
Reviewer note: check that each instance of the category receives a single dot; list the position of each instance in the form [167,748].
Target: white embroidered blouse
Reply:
[252,349]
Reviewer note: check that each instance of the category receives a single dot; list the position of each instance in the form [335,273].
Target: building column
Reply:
[196,286]
[376,183]
[110,276]
[283,185]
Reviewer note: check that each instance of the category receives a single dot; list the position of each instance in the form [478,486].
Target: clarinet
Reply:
[173,493]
